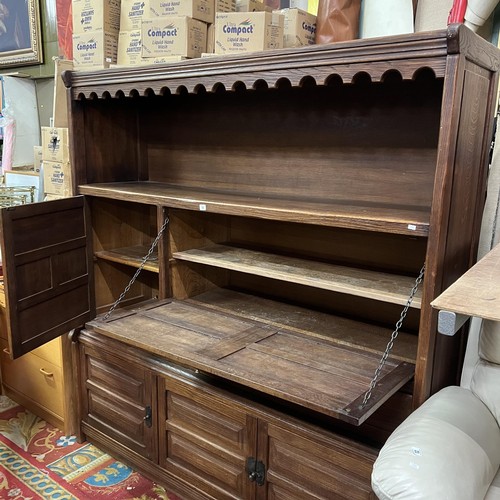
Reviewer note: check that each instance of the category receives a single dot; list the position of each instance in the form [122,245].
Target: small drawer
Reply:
[34,377]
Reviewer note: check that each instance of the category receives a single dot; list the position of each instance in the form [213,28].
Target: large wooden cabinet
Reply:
[294,197]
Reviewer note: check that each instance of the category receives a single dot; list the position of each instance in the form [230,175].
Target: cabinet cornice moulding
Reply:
[376,57]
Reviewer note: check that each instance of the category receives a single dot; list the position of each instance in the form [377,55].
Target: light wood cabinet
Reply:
[36,380]
[294,197]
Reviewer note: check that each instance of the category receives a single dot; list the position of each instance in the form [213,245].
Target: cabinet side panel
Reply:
[467,204]
[459,194]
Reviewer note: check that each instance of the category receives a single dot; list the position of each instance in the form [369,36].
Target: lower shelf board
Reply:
[311,370]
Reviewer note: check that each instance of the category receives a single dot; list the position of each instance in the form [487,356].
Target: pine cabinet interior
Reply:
[294,197]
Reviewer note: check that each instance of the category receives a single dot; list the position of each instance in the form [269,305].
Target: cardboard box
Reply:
[96,49]
[132,12]
[225,6]
[94,15]
[251,6]
[237,32]
[300,28]
[52,197]
[55,144]
[129,48]
[60,104]
[163,60]
[203,10]
[57,178]
[173,36]
[210,39]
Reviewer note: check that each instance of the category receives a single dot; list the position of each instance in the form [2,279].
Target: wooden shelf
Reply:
[385,287]
[338,213]
[131,256]
[477,292]
[309,358]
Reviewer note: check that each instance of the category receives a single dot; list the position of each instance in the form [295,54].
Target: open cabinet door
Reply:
[47,266]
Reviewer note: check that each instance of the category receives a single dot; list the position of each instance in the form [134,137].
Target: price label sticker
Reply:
[412,227]
[203,207]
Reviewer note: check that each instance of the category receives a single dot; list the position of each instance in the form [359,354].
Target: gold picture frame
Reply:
[20,33]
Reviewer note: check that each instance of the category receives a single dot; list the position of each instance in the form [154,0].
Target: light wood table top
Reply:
[476,293]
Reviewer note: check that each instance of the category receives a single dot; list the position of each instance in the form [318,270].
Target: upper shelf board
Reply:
[412,221]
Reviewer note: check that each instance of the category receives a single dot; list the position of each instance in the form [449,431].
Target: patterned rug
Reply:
[38,462]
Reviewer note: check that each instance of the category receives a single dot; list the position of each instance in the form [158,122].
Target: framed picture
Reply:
[20,33]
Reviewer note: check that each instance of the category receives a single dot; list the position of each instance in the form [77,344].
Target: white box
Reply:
[252,6]
[173,36]
[96,49]
[94,15]
[129,48]
[310,6]
[300,28]
[24,179]
[203,10]
[132,12]
[239,32]
[55,144]
[385,18]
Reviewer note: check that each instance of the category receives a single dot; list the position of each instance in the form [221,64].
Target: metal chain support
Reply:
[394,335]
[139,269]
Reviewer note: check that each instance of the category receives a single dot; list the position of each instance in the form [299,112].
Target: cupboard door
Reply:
[119,398]
[304,464]
[47,271]
[206,440]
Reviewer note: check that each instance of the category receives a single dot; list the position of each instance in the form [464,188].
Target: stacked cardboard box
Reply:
[299,29]
[177,28]
[96,24]
[220,6]
[132,13]
[252,6]
[240,32]
[56,162]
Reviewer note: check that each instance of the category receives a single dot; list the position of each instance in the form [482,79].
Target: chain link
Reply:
[394,335]
[139,269]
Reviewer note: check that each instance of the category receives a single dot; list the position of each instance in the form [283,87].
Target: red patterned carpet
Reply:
[38,462]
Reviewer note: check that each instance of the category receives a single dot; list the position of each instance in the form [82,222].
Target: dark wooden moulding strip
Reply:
[404,54]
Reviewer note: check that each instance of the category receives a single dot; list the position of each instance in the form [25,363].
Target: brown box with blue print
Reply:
[239,32]
[300,28]
[203,10]
[173,36]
